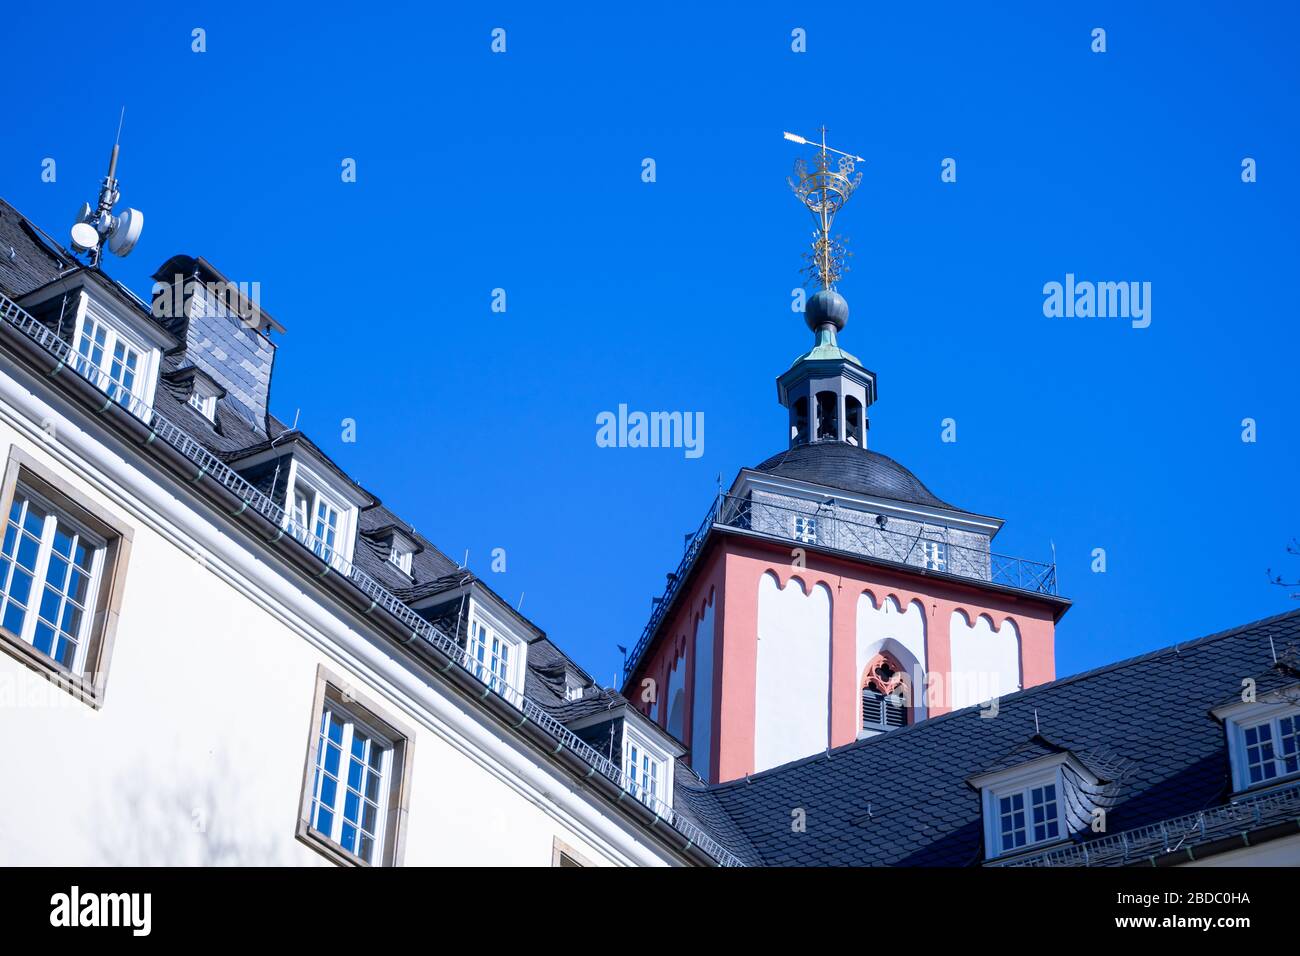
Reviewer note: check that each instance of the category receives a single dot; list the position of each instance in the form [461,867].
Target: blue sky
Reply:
[522,171]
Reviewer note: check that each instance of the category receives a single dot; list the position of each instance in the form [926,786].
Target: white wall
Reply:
[198,752]
[702,702]
[792,703]
[985,662]
[895,631]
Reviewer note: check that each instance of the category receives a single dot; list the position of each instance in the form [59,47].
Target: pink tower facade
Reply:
[831,596]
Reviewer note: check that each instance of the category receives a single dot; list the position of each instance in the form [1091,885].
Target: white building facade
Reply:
[197,672]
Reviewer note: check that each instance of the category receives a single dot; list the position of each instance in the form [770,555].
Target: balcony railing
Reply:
[844,530]
[208,466]
[825,527]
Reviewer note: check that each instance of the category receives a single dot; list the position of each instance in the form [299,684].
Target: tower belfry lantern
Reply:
[824,187]
[827,390]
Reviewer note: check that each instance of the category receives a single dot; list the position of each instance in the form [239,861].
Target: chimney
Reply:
[224,330]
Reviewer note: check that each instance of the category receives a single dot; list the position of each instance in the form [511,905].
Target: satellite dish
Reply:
[85,214]
[125,232]
[84,237]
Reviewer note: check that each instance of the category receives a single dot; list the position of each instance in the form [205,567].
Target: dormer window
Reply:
[1263,739]
[203,399]
[321,507]
[490,656]
[400,558]
[398,545]
[114,342]
[1272,748]
[1028,816]
[116,359]
[646,755]
[495,656]
[573,688]
[1038,801]
[647,769]
[316,520]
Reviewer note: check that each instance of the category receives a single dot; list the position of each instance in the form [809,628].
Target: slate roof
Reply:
[837,464]
[28,260]
[902,798]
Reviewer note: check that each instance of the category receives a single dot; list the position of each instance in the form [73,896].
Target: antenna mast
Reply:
[96,227]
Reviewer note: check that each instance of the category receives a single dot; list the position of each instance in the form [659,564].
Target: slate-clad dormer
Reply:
[223,329]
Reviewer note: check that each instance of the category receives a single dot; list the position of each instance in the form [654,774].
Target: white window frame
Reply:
[639,745]
[1031,797]
[203,400]
[482,629]
[351,703]
[351,723]
[205,405]
[803,528]
[934,554]
[143,387]
[1023,781]
[1269,711]
[400,558]
[55,517]
[303,480]
[573,689]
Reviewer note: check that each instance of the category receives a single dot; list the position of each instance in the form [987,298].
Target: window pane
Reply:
[43,639]
[122,372]
[1289,744]
[91,345]
[335,729]
[1011,811]
[1046,826]
[13,619]
[1260,764]
[50,604]
[65,651]
[332,759]
[28,548]
[348,839]
[328,791]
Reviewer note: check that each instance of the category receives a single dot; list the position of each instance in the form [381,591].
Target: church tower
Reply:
[829,595]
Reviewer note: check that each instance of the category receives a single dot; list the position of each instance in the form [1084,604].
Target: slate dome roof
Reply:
[847,467]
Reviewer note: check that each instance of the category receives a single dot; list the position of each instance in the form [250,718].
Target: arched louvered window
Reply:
[884,696]
[881,712]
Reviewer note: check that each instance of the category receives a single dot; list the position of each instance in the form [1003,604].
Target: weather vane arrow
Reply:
[824,189]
